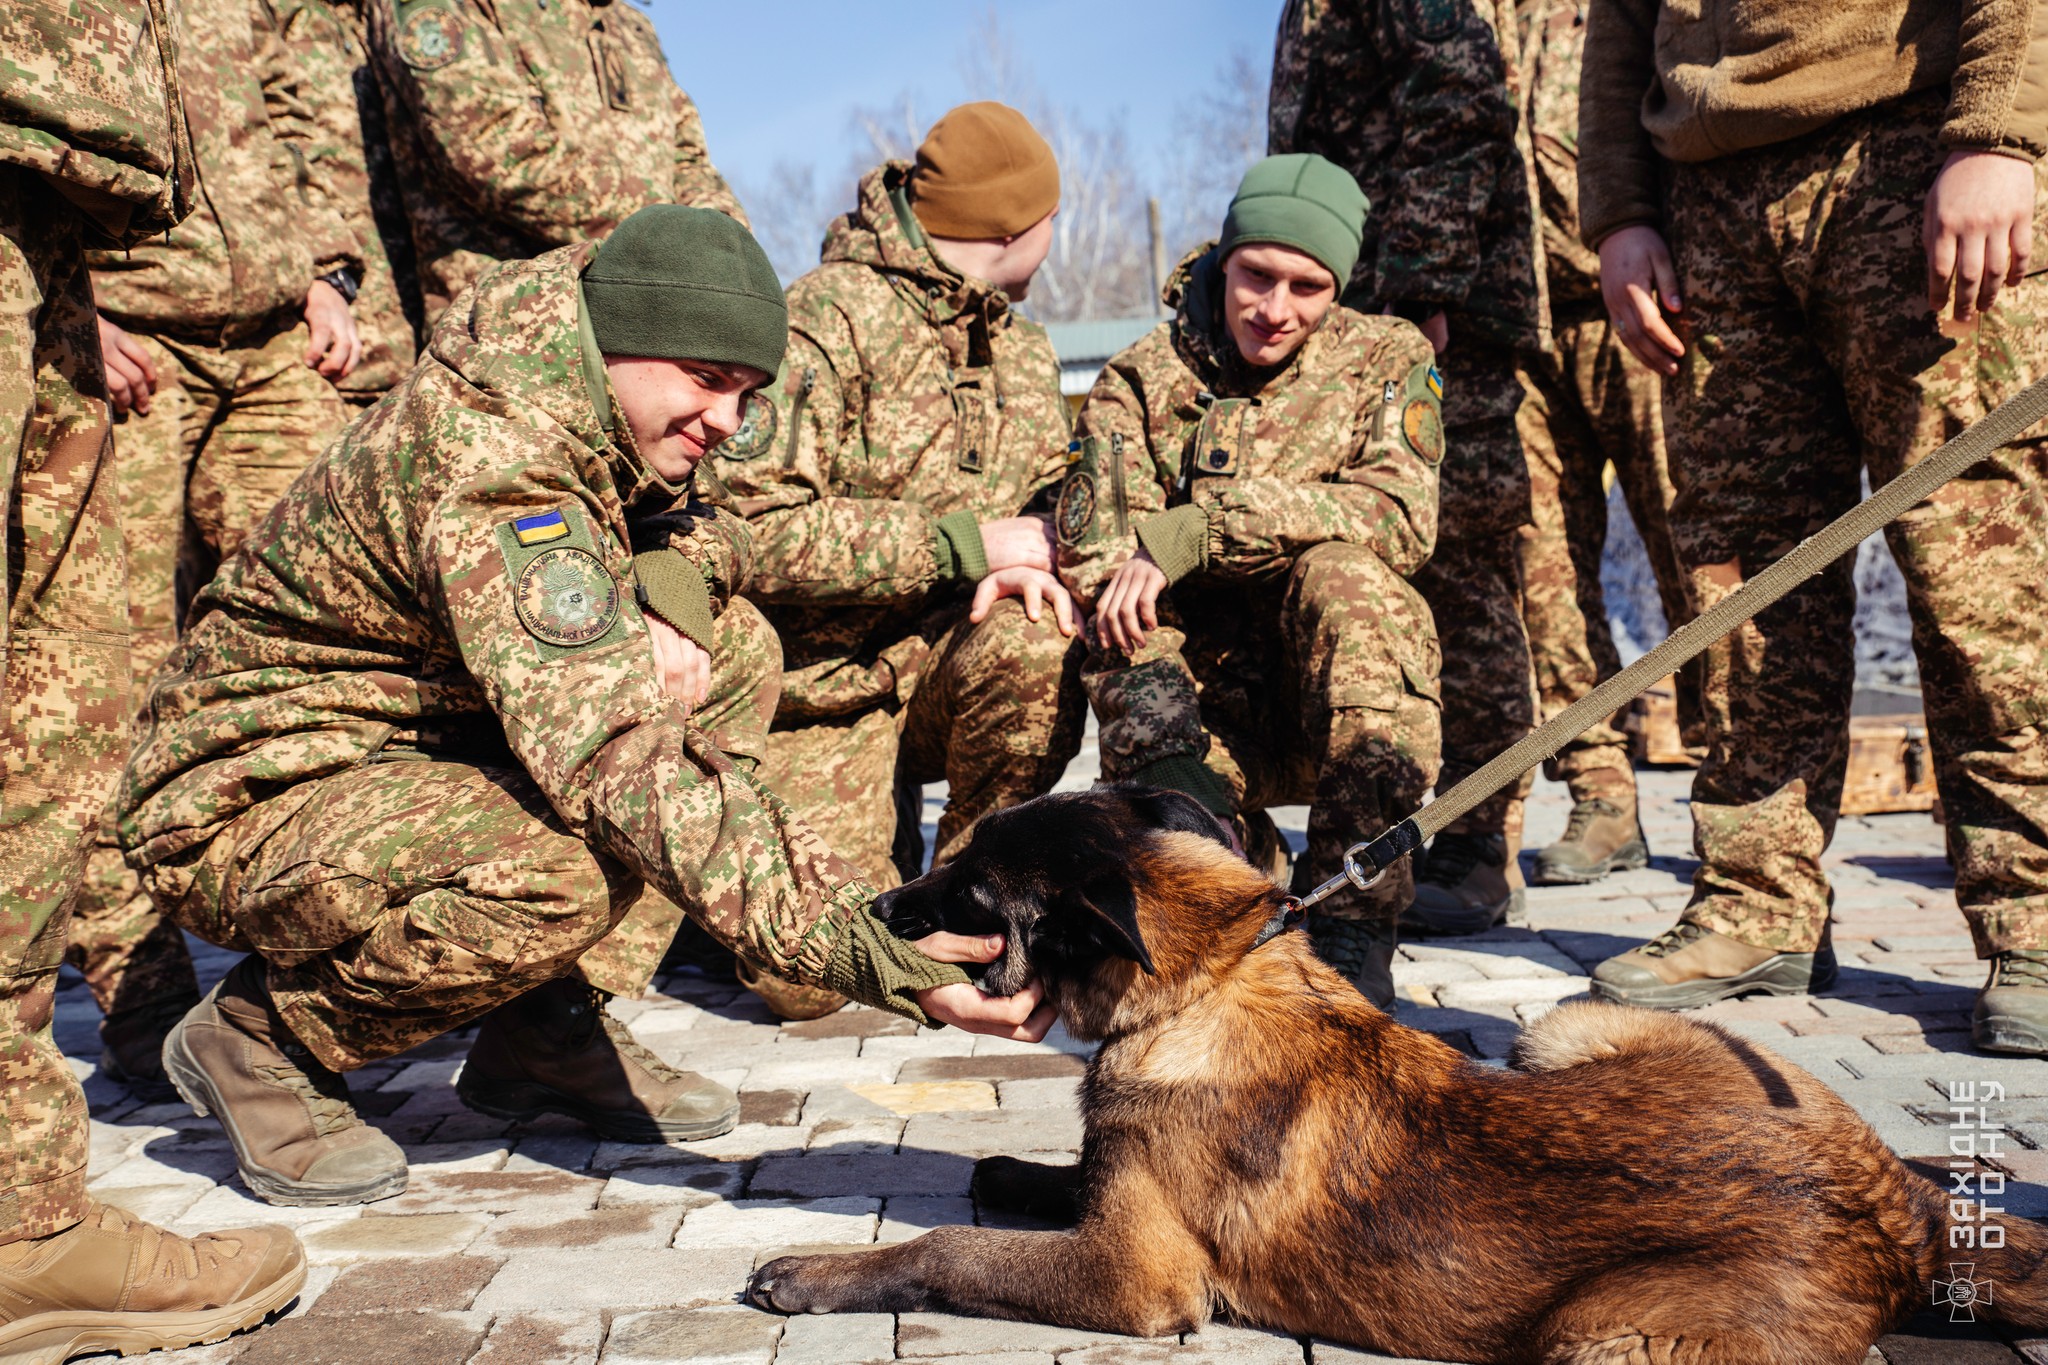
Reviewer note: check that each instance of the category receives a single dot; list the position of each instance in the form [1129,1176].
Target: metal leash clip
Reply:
[1365,863]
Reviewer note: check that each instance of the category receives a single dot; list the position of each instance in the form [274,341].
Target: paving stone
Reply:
[495,1192]
[908,1216]
[552,1152]
[775,1108]
[542,1339]
[152,1203]
[621,1225]
[1059,1093]
[418,1234]
[995,1133]
[856,1021]
[743,1143]
[1493,993]
[1330,1353]
[1216,1344]
[551,1281]
[998,1358]
[229,1206]
[1021,1066]
[683,1185]
[783,1073]
[759,1222]
[408,1285]
[951,1043]
[944,1334]
[928,1097]
[350,1339]
[859,1136]
[837,1339]
[822,1175]
[709,1336]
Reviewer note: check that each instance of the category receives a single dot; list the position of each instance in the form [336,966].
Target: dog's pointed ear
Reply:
[1114,901]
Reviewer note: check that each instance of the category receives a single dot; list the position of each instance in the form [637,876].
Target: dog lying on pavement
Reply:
[1260,1140]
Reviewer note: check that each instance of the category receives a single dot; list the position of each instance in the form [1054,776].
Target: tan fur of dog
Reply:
[1262,1142]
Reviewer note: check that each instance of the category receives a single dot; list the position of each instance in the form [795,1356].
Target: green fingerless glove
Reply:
[875,967]
[673,589]
[1188,774]
[1177,539]
[956,544]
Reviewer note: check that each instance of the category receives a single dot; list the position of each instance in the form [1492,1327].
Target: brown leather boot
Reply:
[1468,883]
[298,1141]
[554,1050]
[1689,965]
[1602,836]
[132,1046]
[116,1283]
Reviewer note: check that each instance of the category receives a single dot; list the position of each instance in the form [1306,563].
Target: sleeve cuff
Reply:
[1188,774]
[1177,539]
[956,544]
[875,967]
[672,589]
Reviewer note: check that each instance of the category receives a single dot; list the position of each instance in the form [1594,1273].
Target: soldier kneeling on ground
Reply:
[1271,457]
[431,730]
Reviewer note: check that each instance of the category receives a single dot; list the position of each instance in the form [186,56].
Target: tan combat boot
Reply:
[1468,883]
[132,1046]
[1689,965]
[115,1283]
[554,1050]
[2012,1009]
[297,1139]
[1602,836]
[1361,951]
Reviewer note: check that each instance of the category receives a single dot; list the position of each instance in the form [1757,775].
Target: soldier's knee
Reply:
[1008,639]
[1347,583]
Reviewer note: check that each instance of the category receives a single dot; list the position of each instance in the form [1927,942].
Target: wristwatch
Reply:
[344,282]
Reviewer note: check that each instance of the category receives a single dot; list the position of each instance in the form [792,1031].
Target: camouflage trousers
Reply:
[1319,690]
[410,896]
[1472,582]
[994,711]
[63,679]
[1595,405]
[228,429]
[1812,356]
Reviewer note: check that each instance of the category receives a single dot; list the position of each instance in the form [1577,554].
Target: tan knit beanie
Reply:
[983,171]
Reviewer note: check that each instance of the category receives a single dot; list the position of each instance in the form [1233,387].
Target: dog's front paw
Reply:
[803,1284]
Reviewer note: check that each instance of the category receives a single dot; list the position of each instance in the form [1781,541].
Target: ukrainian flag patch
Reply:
[1436,383]
[540,528]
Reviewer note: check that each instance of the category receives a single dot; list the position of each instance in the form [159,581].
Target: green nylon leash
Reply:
[1366,862]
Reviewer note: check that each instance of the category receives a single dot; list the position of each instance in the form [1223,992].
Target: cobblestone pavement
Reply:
[530,1243]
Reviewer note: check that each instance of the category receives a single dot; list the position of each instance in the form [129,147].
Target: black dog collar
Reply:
[1286,917]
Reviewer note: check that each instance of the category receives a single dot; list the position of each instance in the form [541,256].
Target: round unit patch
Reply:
[1076,515]
[756,433]
[430,37]
[567,597]
[1424,430]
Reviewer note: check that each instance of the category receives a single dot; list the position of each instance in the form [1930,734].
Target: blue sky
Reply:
[775,80]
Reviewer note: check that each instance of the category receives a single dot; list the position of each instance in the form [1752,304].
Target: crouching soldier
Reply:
[430,731]
[1271,456]
[917,424]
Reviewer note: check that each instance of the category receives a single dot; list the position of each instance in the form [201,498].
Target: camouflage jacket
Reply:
[1554,40]
[910,393]
[325,38]
[264,227]
[1225,473]
[91,101]
[1419,100]
[456,573]
[521,125]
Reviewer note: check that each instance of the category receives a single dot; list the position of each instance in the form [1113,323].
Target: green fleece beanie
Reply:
[1299,200]
[682,283]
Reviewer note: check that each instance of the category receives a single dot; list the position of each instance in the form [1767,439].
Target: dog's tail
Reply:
[1998,1270]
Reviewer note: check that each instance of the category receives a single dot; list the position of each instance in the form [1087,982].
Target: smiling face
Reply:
[679,409]
[1273,297]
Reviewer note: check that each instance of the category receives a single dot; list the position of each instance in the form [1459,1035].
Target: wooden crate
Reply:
[1890,765]
[1654,738]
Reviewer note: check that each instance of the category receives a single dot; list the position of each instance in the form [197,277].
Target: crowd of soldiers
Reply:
[446,567]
